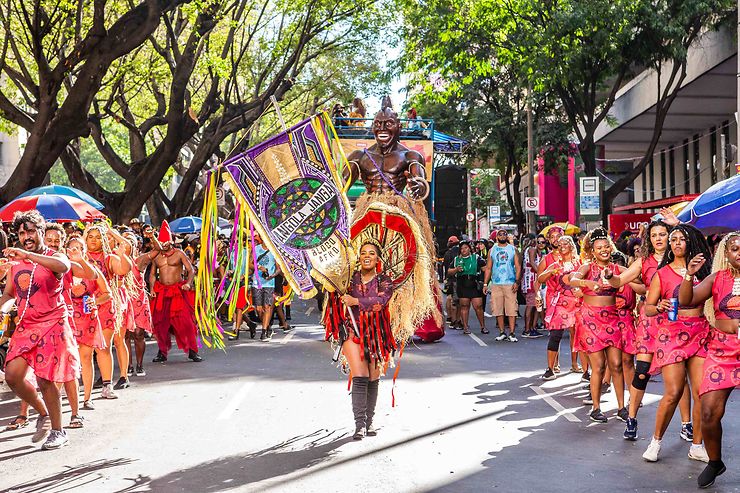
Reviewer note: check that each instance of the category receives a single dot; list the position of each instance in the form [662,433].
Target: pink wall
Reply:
[555,200]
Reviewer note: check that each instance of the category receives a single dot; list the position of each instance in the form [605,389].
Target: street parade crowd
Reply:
[669,307]
[668,302]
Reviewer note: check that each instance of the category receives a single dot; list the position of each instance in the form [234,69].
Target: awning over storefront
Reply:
[657,204]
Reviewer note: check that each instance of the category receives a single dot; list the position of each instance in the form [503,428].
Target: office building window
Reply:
[663,188]
[697,165]
[713,135]
[686,167]
[672,170]
[728,149]
[651,171]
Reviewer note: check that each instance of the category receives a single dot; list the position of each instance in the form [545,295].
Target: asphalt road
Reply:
[471,415]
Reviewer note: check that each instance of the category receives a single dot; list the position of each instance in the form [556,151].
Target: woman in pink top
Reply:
[654,246]
[721,372]
[86,295]
[680,345]
[43,338]
[110,313]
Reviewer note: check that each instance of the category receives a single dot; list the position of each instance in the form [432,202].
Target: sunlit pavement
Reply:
[471,415]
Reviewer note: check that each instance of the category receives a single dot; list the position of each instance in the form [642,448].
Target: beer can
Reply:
[673,313]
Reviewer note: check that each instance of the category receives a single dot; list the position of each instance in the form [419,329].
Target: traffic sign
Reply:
[532,204]
[494,214]
[470,217]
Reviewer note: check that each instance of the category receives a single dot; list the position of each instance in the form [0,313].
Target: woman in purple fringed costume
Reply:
[366,338]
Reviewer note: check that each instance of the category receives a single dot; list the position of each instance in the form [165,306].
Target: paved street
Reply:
[471,415]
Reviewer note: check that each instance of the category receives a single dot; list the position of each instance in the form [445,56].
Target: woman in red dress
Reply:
[721,372]
[680,344]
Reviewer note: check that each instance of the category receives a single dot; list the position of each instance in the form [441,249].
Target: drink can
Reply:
[85,306]
[673,313]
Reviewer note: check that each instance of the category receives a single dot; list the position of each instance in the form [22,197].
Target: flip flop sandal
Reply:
[576,369]
[18,422]
[76,421]
[466,331]
[556,369]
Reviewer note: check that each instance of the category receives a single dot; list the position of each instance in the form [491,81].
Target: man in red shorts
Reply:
[172,299]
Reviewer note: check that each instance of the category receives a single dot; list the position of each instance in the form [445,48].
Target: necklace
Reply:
[30,286]
[735,281]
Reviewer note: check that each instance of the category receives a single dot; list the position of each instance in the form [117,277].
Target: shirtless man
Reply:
[172,299]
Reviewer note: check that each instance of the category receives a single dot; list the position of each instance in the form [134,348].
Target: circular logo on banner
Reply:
[470,217]
[303,213]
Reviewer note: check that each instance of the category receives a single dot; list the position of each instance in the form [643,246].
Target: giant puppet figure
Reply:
[392,212]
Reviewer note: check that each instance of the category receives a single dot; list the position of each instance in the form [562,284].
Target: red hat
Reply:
[453,239]
[165,234]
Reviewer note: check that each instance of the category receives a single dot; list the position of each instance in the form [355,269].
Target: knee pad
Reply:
[553,343]
[641,375]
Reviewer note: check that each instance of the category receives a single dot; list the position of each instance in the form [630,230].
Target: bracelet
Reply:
[688,277]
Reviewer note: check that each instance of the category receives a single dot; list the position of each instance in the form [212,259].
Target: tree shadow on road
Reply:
[70,479]
[295,454]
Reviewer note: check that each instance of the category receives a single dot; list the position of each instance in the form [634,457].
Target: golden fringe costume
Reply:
[416,291]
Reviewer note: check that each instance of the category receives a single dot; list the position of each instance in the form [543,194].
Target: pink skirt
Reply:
[599,328]
[51,351]
[142,312]
[647,328]
[562,315]
[87,328]
[722,366]
[680,340]
[626,324]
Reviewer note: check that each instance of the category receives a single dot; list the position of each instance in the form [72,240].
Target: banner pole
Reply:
[274,102]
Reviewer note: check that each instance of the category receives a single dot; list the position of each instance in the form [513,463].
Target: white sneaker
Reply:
[501,338]
[57,439]
[512,338]
[108,392]
[698,452]
[651,454]
[43,425]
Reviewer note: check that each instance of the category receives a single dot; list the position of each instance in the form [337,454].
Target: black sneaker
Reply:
[623,415]
[268,337]
[130,370]
[122,383]
[160,358]
[193,356]
[140,371]
[598,416]
[586,377]
[605,388]
[630,431]
[263,335]
[710,473]
[548,375]
[98,383]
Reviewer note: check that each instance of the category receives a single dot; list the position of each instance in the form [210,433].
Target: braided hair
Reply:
[720,263]
[647,245]
[695,244]
[587,248]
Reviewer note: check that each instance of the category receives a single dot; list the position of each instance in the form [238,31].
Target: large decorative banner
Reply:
[290,187]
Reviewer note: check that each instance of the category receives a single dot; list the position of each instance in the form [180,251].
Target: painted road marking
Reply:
[235,401]
[477,339]
[555,405]
[288,336]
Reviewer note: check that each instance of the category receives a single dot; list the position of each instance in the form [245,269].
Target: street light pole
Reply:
[530,159]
